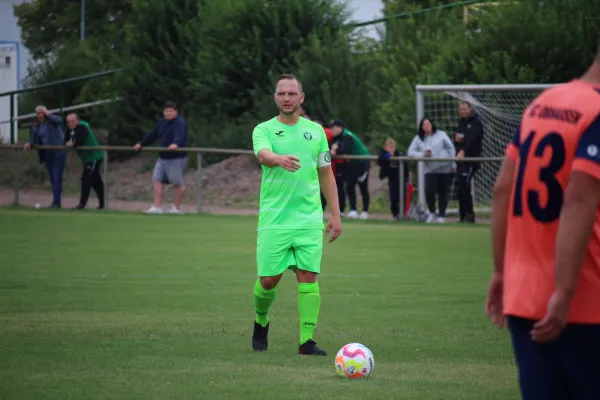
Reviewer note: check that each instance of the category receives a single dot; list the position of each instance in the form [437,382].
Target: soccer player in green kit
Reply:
[296,166]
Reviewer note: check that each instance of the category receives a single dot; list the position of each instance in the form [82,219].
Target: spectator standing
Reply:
[391,169]
[468,141]
[81,134]
[433,142]
[357,171]
[334,162]
[47,131]
[170,167]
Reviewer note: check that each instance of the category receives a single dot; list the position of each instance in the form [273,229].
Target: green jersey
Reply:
[83,135]
[291,200]
[358,147]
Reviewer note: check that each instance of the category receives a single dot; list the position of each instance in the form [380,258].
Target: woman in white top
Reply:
[432,142]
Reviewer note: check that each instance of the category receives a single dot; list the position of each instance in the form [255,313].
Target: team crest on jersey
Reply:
[327,157]
[308,135]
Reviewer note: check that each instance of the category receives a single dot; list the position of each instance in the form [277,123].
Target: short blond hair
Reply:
[389,141]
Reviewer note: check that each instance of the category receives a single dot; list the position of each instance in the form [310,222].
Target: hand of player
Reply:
[555,320]
[461,154]
[334,227]
[69,143]
[137,147]
[26,147]
[289,163]
[427,153]
[493,303]
[458,137]
[172,146]
[334,148]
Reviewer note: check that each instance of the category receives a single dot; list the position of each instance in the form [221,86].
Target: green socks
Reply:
[263,299]
[309,302]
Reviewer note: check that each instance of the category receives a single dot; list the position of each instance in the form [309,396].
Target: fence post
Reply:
[420,165]
[105,173]
[62,102]
[17,176]
[13,136]
[402,194]
[199,183]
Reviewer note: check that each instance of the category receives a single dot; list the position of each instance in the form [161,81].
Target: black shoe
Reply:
[310,348]
[100,207]
[260,340]
[78,207]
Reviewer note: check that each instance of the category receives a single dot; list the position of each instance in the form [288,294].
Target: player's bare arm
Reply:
[500,209]
[329,189]
[269,159]
[577,217]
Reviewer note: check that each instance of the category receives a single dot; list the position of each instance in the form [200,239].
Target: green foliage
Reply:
[161,39]
[219,59]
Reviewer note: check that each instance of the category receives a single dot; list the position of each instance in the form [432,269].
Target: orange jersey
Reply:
[559,133]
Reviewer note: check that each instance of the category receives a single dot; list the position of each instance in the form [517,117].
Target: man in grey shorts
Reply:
[170,167]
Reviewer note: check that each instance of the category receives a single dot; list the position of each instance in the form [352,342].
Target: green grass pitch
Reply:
[127,306]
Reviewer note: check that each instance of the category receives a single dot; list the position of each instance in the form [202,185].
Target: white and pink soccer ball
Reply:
[354,360]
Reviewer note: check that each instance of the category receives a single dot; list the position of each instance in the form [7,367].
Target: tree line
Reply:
[219,60]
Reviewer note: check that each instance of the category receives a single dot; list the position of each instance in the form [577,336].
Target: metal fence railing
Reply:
[197,152]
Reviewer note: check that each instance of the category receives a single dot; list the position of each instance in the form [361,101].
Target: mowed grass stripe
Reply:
[120,305]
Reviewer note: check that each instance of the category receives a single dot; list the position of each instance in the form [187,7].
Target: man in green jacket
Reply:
[357,171]
[80,134]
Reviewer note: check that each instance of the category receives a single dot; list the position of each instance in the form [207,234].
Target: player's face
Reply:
[427,127]
[464,110]
[170,113]
[40,115]
[336,130]
[72,121]
[288,96]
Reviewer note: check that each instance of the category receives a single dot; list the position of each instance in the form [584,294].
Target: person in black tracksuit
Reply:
[391,169]
[468,141]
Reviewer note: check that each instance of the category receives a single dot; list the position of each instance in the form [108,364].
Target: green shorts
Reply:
[280,249]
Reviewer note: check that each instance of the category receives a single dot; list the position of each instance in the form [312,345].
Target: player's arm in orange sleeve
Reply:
[501,202]
[500,211]
[576,224]
[578,215]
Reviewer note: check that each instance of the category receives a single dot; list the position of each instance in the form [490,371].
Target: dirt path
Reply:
[30,197]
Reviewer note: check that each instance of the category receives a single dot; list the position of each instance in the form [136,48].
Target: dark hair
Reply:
[288,77]
[337,122]
[421,133]
[467,103]
[170,104]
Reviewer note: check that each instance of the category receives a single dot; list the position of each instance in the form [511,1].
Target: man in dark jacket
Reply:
[354,172]
[468,142]
[81,134]
[47,131]
[170,167]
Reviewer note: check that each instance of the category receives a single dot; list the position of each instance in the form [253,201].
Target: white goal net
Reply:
[499,107]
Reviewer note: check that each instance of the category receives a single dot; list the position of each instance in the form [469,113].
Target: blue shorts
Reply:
[567,369]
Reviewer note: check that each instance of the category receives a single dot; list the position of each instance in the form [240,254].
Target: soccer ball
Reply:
[354,360]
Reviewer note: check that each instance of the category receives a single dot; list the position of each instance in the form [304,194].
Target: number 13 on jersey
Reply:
[529,198]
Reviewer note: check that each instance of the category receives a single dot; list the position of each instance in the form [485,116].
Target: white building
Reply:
[14,59]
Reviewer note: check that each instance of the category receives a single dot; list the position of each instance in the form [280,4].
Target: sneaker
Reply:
[175,210]
[153,210]
[353,214]
[430,218]
[310,348]
[364,215]
[441,220]
[260,340]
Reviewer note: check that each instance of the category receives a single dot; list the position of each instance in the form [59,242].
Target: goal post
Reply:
[499,107]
